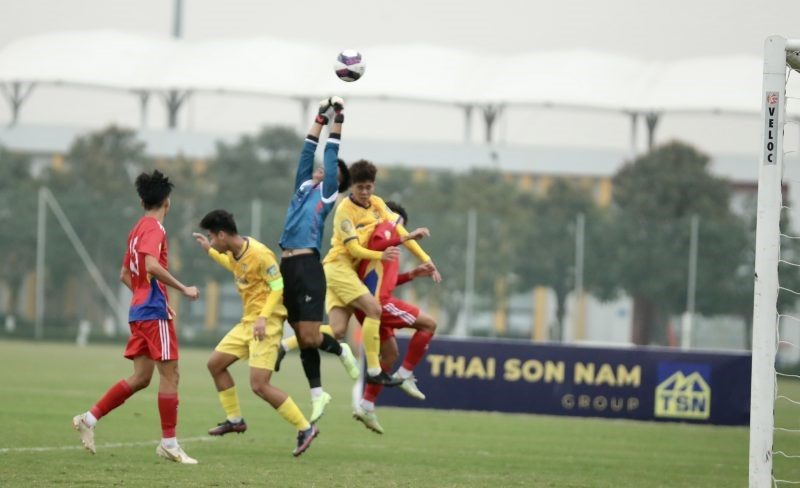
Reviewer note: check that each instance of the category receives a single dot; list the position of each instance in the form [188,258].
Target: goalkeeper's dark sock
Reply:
[310,359]
[331,345]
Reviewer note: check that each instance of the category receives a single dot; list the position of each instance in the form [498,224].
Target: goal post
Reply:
[778,53]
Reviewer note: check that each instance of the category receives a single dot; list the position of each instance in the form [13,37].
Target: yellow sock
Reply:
[230,403]
[290,343]
[372,343]
[293,415]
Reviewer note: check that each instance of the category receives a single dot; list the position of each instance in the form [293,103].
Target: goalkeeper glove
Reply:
[338,108]
[325,112]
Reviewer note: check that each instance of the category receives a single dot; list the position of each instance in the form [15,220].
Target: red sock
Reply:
[114,397]
[372,390]
[416,348]
[168,409]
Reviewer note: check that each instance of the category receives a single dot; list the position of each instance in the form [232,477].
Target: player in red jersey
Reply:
[153,342]
[381,278]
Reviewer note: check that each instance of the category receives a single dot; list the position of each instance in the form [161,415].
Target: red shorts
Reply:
[153,338]
[396,314]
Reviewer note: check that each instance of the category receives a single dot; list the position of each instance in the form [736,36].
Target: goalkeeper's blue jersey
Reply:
[312,202]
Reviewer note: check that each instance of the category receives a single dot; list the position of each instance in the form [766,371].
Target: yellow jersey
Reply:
[352,221]
[257,276]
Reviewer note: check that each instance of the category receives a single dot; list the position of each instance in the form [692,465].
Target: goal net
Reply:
[773,439]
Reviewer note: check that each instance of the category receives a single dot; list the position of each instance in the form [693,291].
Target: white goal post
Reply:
[778,53]
[46,199]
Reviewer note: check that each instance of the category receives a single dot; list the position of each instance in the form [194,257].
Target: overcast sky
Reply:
[654,29]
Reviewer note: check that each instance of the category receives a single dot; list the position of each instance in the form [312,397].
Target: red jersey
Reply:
[381,277]
[149,295]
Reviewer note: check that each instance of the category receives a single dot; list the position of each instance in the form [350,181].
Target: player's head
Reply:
[221,228]
[399,210]
[342,176]
[154,189]
[362,178]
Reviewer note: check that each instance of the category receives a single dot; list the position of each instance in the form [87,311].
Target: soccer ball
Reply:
[349,65]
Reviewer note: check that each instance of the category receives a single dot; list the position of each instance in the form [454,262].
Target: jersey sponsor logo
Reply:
[346,226]
[683,391]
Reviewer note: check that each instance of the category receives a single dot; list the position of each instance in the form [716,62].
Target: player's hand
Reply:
[171,312]
[260,329]
[325,112]
[390,254]
[202,240]
[436,277]
[426,269]
[338,107]
[191,292]
[417,234]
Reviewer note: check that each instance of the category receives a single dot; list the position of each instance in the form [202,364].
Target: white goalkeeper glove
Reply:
[325,112]
[338,107]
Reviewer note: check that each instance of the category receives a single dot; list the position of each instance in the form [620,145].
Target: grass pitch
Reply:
[44,385]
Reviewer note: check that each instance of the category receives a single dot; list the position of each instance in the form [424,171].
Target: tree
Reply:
[655,197]
[18,197]
[96,192]
[546,243]
[442,202]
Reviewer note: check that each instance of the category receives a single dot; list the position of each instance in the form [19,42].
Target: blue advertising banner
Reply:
[632,383]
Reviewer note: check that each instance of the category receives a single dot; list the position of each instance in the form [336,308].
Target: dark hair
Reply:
[344,175]
[399,210]
[153,189]
[217,220]
[362,171]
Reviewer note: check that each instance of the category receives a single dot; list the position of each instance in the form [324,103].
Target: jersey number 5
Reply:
[133,264]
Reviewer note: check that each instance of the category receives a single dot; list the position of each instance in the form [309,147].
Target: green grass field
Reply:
[44,385]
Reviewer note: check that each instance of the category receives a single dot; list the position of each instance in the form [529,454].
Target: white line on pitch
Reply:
[6,450]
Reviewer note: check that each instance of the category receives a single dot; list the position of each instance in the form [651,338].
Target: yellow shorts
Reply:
[343,284]
[262,354]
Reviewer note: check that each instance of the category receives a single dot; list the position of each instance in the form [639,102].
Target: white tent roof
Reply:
[262,66]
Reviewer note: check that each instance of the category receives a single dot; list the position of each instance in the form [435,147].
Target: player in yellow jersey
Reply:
[256,337]
[353,224]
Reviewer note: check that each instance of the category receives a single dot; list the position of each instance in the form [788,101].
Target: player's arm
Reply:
[305,166]
[356,250]
[404,278]
[330,183]
[125,271]
[412,245]
[427,269]
[275,283]
[160,273]
[347,233]
[272,276]
[411,242]
[222,259]
[125,277]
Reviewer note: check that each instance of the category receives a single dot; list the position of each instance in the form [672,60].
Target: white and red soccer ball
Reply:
[349,65]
